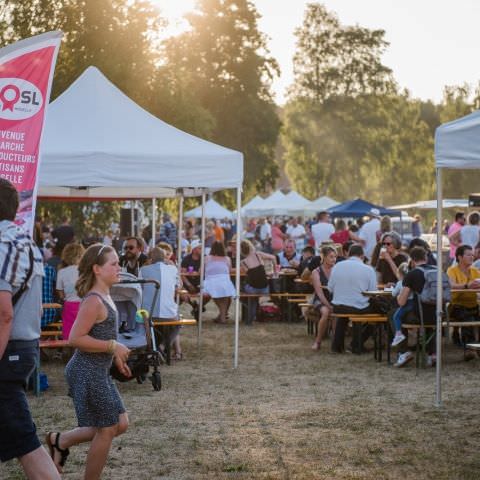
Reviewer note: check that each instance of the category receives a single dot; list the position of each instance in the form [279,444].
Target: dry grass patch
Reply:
[286,413]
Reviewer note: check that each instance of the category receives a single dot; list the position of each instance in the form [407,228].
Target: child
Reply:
[66,279]
[400,313]
[98,406]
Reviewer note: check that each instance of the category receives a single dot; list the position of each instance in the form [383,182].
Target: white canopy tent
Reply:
[310,209]
[275,204]
[432,204]
[212,210]
[99,144]
[250,208]
[457,146]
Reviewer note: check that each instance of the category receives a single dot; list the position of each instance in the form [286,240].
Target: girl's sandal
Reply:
[316,345]
[64,452]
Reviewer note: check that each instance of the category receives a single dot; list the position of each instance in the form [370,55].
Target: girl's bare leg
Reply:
[100,446]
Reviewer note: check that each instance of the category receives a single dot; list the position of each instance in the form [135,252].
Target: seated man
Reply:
[166,307]
[347,282]
[191,264]
[464,307]
[133,258]
[289,258]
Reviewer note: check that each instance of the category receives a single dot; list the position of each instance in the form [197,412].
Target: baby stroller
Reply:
[135,333]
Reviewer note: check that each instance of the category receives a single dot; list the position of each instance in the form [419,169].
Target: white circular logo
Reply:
[19,99]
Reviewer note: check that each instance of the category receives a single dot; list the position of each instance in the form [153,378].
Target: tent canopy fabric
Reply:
[212,210]
[250,208]
[457,143]
[432,204]
[310,209]
[359,208]
[295,199]
[98,143]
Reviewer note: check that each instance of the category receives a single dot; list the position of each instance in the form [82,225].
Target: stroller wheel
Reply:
[156,381]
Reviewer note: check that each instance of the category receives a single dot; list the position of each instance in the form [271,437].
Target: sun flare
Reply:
[173,11]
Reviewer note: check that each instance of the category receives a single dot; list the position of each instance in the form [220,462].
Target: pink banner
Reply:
[26,72]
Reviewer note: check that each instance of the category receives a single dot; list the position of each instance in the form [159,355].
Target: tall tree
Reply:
[224,64]
[336,60]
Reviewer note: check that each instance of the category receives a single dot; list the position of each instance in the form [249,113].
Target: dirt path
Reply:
[287,413]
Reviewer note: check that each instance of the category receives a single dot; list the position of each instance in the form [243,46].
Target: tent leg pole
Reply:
[237,276]
[179,242]
[154,220]
[132,220]
[202,270]
[438,372]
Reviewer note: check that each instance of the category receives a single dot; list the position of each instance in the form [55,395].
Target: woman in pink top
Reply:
[217,280]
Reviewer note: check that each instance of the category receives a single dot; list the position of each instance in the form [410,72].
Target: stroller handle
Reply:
[156,283]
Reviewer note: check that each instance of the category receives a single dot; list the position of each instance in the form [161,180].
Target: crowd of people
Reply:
[337,263]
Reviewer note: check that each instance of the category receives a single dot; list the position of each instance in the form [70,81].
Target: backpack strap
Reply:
[24,286]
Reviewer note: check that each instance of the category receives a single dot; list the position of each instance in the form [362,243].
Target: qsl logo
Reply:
[19,99]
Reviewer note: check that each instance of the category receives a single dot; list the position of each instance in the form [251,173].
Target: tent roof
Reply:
[212,210]
[295,199]
[432,204]
[457,143]
[98,143]
[359,208]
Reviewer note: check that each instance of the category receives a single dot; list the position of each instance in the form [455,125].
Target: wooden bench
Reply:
[51,333]
[379,322]
[168,326]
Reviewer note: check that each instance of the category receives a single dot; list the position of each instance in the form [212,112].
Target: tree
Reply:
[336,60]
[224,65]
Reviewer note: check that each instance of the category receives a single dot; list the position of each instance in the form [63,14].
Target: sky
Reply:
[433,43]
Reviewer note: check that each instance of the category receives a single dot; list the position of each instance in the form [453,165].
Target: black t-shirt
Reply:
[142,258]
[189,261]
[383,267]
[415,280]
[64,234]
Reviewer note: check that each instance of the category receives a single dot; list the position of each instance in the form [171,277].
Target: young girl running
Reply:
[98,406]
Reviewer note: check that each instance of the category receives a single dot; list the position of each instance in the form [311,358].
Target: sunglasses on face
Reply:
[386,244]
[130,247]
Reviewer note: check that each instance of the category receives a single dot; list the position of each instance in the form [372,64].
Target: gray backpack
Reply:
[429,293]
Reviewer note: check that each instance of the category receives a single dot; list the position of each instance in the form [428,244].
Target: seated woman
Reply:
[322,297]
[389,259]
[166,307]
[257,282]
[217,280]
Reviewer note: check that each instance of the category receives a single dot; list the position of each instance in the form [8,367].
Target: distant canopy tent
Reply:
[212,210]
[457,146]
[432,204]
[99,144]
[310,209]
[250,208]
[359,208]
[275,204]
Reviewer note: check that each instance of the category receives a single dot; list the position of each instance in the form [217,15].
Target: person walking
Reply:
[99,408]
[20,314]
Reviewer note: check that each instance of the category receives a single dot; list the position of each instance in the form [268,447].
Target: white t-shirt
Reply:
[368,233]
[469,235]
[295,233]
[321,232]
[265,231]
[66,279]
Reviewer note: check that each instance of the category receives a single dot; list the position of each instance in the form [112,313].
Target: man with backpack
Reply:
[20,312]
[421,280]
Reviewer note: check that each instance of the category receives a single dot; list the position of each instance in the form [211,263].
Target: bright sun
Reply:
[173,11]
